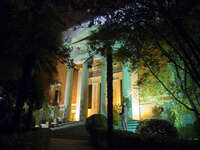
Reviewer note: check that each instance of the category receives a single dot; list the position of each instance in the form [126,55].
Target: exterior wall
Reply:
[146,111]
[61,77]
[57,82]
[49,82]
[135,96]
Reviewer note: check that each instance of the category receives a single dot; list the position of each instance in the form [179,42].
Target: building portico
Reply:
[85,92]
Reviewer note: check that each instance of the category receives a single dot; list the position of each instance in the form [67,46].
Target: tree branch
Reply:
[154,31]
[175,98]
[190,101]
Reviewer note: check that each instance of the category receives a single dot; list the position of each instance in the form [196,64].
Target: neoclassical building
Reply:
[81,91]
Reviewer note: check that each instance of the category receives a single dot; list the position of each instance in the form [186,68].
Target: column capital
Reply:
[79,66]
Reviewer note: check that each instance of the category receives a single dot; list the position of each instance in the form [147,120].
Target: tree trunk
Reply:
[18,111]
[23,91]
[110,95]
[29,117]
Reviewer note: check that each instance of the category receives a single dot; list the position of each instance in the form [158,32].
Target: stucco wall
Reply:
[61,77]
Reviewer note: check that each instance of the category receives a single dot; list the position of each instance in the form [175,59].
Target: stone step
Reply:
[132,125]
[133,121]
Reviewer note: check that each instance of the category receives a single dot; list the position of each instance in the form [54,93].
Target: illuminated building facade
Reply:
[81,91]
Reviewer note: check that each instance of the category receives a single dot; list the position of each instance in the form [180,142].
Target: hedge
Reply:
[127,140]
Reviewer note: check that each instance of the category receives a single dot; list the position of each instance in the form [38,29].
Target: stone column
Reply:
[126,86]
[135,96]
[68,94]
[103,88]
[77,115]
[84,89]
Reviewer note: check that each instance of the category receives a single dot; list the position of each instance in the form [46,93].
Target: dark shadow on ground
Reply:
[69,144]
[75,132]
[71,138]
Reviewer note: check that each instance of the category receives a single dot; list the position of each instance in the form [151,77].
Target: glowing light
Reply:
[72,116]
[146,111]
[77,115]
[135,104]
[89,112]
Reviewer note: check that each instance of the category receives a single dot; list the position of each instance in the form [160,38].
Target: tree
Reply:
[32,45]
[102,41]
[32,35]
[149,26]
[151,30]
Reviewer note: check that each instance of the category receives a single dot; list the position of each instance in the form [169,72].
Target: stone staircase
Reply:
[132,125]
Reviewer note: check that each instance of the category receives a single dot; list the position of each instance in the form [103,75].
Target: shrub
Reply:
[116,116]
[171,117]
[96,121]
[125,140]
[99,139]
[156,127]
[197,127]
[188,132]
[96,126]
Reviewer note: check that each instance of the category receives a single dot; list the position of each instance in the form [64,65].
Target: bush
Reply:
[197,127]
[125,140]
[96,121]
[156,127]
[99,139]
[96,126]
[116,116]
[188,132]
